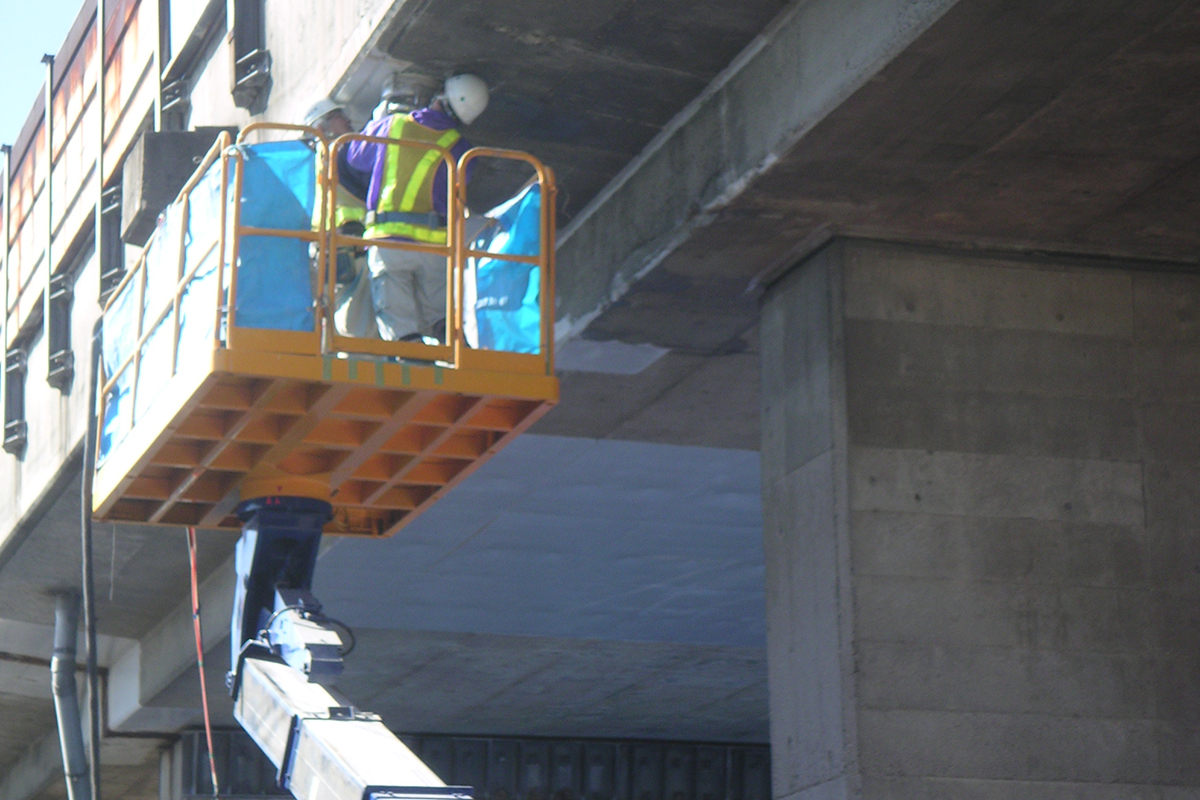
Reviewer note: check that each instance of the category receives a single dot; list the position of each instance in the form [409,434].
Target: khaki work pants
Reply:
[408,291]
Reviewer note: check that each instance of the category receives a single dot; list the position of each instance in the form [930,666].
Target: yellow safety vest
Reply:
[346,206]
[406,193]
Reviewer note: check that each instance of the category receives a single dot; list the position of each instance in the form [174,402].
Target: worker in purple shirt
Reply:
[407,201]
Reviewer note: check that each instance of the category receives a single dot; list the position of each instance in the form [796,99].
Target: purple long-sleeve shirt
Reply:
[369,158]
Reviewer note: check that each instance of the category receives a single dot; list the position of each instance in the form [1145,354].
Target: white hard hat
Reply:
[467,96]
[321,109]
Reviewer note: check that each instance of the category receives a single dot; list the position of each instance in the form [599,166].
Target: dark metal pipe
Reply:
[66,699]
[89,572]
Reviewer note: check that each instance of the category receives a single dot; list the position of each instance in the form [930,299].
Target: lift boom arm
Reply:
[285,650]
[324,748]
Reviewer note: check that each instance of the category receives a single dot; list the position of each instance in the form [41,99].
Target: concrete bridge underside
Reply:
[956,240]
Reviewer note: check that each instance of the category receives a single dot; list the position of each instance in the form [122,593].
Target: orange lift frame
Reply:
[379,429]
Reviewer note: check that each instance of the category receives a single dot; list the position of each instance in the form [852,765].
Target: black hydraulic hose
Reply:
[66,698]
[89,573]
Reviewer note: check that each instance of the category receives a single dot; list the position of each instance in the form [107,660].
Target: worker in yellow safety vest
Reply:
[349,210]
[353,314]
[407,201]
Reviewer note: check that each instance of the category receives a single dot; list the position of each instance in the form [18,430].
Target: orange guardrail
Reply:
[545,257]
[327,241]
[206,424]
[454,223]
[139,273]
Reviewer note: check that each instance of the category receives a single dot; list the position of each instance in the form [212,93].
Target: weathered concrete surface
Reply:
[506,610]
[582,85]
[56,419]
[423,681]
[681,399]
[335,39]
[141,576]
[1022,552]
[129,770]
[429,681]
[794,73]
[1060,126]
[809,602]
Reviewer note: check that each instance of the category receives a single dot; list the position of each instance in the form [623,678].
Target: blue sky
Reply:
[31,28]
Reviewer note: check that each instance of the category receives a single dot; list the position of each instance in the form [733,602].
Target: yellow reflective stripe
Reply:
[345,206]
[348,207]
[320,199]
[391,164]
[417,180]
[431,157]
[418,233]
[353,211]
[317,207]
[344,214]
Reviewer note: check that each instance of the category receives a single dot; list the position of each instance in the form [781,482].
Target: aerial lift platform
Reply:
[204,406]
[229,397]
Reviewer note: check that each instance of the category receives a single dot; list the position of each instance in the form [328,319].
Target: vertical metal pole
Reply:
[99,226]
[551,300]
[329,244]
[158,66]
[221,295]
[546,240]
[234,250]
[184,217]
[139,345]
[7,151]
[88,575]
[231,25]
[48,193]
[66,701]
[231,22]
[89,447]
[455,210]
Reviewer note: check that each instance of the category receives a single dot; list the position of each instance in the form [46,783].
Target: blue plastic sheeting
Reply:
[506,313]
[274,283]
[198,304]
[274,287]
[186,239]
[119,339]
[163,259]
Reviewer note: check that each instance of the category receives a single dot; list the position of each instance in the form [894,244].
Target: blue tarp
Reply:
[506,308]
[274,278]
[182,240]
[274,283]
[163,259]
[119,339]
[198,305]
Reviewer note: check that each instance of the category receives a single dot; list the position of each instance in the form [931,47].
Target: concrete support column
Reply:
[981,482]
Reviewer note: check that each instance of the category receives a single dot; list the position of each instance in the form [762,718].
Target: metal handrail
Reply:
[337,239]
[327,240]
[216,151]
[306,130]
[545,258]
[318,237]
